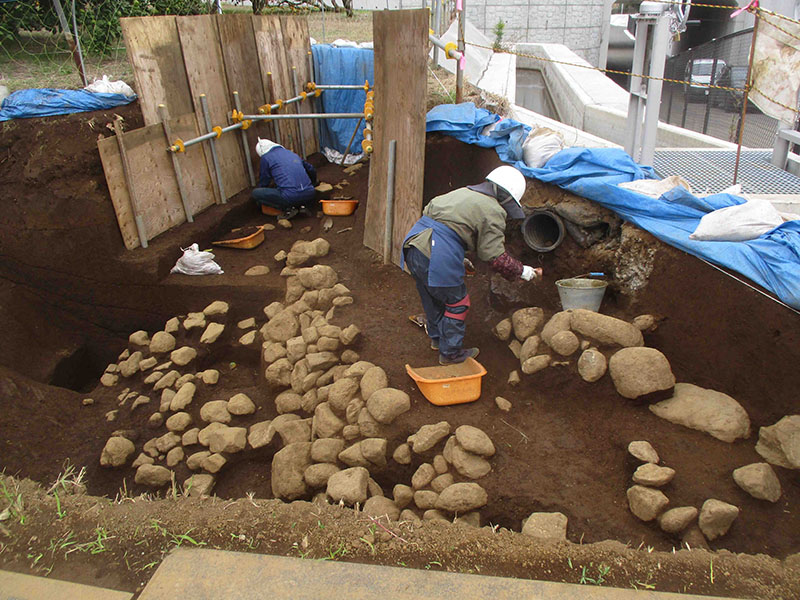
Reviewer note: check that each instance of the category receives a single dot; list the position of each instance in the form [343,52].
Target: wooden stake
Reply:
[126,170]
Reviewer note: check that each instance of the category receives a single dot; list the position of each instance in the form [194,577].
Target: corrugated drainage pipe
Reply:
[543,230]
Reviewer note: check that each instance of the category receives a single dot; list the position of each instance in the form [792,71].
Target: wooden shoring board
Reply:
[205,70]
[295,36]
[272,58]
[197,181]
[157,188]
[154,52]
[401,58]
[243,73]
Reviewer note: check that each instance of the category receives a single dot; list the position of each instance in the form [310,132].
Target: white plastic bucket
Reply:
[581,293]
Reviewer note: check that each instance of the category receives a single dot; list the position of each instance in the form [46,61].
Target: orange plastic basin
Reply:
[449,384]
[339,207]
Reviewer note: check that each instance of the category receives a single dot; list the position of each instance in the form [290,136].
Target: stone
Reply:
[183,397]
[379,506]
[316,476]
[257,271]
[350,357]
[434,515]
[439,483]
[352,456]
[153,476]
[779,444]
[467,464]
[536,364]
[374,450]
[288,402]
[199,485]
[716,518]
[240,404]
[142,459]
[147,363]
[183,356]
[321,360]
[213,463]
[87,401]
[503,330]
[516,347]
[288,466]
[215,411]
[605,329]
[175,456]
[260,434]
[167,442]
[246,323]
[643,451]
[565,343]
[162,342]
[204,435]
[140,401]
[428,436]
[386,404]
[646,503]
[423,476]
[190,437]
[326,424]
[282,327]
[172,325]
[179,422]
[112,415]
[675,520]
[558,322]
[139,338]
[340,394]
[227,439]
[440,464]
[150,449]
[109,379]
[212,333]
[295,348]
[462,498]
[693,539]
[194,321]
[402,454]
[470,519]
[326,450]
[358,368]
[153,377]
[248,339]
[351,432]
[353,410]
[513,378]
[640,371]
[713,412]
[759,480]
[474,440]
[348,486]
[645,322]
[592,365]
[526,321]
[546,526]
[188,378]
[349,335]
[279,373]
[402,495]
[317,277]
[652,475]
[116,452]
[216,308]
[298,430]
[131,365]
[528,349]
[166,381]
[502,404]
[425,499]
[372,380]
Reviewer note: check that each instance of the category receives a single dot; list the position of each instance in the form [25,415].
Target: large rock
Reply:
[131,365]
[779,444]
[558,322]
[374,450]
[535,364]
[153,476]
[428,436]
[183,356]
[643,451]
[321,360]
[467,464]
[349,486]
[592,365]
[288,467]
[215,411]
[199,485]
[116,452]
[279,373]
[227,439]
[241,404]
[526,321]
[379,506]
[341,392]
[646,503]
[139,338]
[297,430]
[675,520]
[212,333]
[423,476]
[316,476]
[605,329]
[565,343]
[503,330]
[640,371]
[527,350]
[461,498]
[716,518]
[713,412]
[386,404]
[758,480]
[216,308]
[326,424]
[546,526]
[653,475]
[317,277]
[162,342]
[167,442]
[179,421]
[288,402]
[372,380]
[474,440]
[282,327]
[326,450]
[353,456]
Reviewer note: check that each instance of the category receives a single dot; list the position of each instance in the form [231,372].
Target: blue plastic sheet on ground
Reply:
[46,102]
[346,66]
[772,261]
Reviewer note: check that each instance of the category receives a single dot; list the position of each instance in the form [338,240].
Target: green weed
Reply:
[335,554]
[600,579]
[15,504]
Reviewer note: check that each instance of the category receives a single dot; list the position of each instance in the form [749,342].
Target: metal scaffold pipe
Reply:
[303,95]
[449,48]
[304,116]
[215,133]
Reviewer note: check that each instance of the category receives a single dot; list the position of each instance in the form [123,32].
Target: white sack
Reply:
[739,223]
[195,262]
[540,146]
[104,86]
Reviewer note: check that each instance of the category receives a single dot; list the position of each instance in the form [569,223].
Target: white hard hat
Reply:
[264,145]
[510,179]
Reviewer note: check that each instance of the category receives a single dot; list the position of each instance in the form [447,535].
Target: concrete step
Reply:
[17,586]
[219,575]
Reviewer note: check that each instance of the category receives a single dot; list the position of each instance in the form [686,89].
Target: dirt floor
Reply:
[70,295]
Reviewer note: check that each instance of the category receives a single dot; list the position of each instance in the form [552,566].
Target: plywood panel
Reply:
[197,181]
[115,178]
[400,87]
[242,71]
[295,36]
[272,59]
[205,72]
[154,52]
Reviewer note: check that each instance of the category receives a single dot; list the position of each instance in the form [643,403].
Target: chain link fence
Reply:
[717,110]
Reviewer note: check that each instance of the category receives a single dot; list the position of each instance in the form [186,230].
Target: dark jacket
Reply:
[293,176]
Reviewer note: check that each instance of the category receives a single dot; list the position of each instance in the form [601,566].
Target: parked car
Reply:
[698,75]
[730,100]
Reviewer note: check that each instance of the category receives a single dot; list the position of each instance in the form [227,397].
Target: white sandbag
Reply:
[540,146]
[195,262]
[104,86]
[739,223]
[655,188]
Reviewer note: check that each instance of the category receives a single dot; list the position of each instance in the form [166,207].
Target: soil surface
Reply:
[70,295]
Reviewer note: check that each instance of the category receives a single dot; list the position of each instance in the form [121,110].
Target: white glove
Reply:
[529,273]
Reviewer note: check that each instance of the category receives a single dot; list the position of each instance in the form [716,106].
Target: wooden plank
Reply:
[243,72]
[115,178]
[400,87]
[272,59]
[295,36]
[197,180]
[154,52]
[205,71]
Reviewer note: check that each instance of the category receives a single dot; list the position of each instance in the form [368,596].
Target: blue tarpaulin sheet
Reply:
[346,66]
[46,102]
[772,260]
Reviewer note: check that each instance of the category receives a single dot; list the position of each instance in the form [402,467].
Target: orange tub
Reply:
[450,384]
[339,207]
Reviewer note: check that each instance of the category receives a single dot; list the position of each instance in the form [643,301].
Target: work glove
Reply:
[529,273]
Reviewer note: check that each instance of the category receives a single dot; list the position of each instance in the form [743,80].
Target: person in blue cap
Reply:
[285,183]
[471,218]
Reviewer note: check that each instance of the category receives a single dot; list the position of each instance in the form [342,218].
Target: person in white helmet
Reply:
[471,218]
[286,182]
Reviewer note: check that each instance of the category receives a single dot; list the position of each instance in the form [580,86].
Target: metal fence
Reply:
[716,110]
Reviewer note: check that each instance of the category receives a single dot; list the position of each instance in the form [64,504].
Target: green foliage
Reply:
[498,31]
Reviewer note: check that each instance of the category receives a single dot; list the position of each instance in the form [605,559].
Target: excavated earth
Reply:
[70,295]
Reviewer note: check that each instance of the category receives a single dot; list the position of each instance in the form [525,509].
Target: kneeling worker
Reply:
[285,183]
[471,218]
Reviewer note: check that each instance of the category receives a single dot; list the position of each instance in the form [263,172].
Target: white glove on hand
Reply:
[529,273]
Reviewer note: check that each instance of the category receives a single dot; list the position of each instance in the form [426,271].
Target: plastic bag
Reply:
[738,223]
[104,86]
[195,262]
[540,146]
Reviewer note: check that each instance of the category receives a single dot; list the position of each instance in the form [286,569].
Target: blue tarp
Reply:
[46,102]
[347,66]
[772,260]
